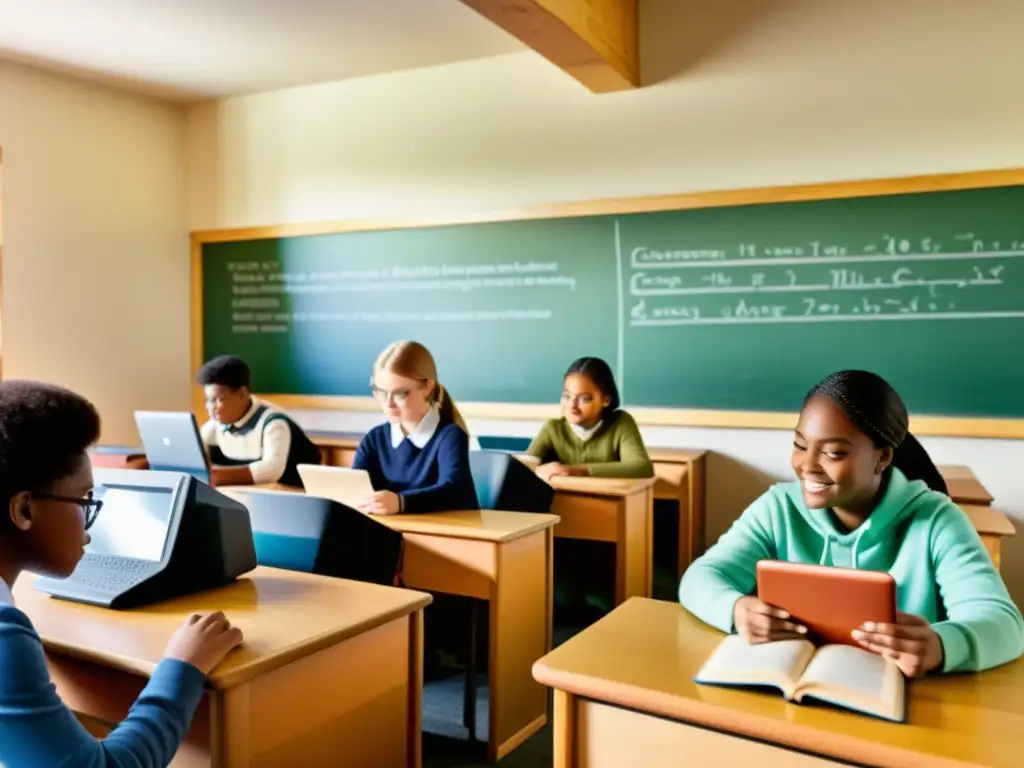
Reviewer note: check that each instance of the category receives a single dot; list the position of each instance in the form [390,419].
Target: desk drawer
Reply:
[610,737]
[587,517]
[465,567]
[671,481]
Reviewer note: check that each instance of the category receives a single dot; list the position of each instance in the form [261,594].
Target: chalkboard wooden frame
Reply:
[950,426]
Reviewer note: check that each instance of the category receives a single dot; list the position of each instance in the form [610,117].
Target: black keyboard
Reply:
[106,573]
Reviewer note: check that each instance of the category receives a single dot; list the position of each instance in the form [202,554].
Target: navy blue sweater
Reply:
[37,729]
[434,479]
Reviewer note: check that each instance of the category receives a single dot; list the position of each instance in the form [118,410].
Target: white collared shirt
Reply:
[585,434]
[6,598]
[421,435]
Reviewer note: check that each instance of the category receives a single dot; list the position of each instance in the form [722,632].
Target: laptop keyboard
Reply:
[107,573]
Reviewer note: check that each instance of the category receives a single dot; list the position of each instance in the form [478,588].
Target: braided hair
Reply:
[876,409]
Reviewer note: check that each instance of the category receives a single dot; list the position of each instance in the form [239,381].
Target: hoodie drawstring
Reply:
[827,549]
[856,544]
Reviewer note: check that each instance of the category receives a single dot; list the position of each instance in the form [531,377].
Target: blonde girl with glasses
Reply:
[418,460]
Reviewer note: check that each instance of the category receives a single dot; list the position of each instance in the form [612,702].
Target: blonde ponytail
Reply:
[447,408]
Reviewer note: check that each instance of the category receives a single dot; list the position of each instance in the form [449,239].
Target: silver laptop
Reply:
[350,487]
[172,442]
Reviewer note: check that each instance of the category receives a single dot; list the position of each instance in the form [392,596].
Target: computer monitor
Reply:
[172,443]
[504,482]
[316,535]
[158,535]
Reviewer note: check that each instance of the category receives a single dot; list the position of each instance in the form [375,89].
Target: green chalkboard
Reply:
[733,308]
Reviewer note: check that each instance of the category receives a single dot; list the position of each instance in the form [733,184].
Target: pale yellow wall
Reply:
[95,262]
[789,92]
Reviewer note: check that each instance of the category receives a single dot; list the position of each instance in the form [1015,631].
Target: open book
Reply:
[841,675]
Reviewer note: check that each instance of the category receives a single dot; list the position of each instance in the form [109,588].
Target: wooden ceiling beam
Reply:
[594,41]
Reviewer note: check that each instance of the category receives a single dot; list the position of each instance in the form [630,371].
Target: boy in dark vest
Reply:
[249,441]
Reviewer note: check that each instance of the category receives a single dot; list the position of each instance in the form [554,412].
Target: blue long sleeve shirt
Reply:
[37,730]
[434,478]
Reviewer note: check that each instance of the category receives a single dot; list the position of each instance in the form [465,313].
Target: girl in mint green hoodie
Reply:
[867,496]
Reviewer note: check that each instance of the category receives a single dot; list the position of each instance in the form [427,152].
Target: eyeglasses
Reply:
[90,506]
[383,395]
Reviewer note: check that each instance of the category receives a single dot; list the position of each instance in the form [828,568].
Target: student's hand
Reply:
[553,469]
[910,642]
[204,641]
[758,623]
[220,476]
[381,503]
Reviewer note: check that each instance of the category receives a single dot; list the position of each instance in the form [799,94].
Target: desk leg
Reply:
[519,635]
[992,545]
[649,565]
[634,546]
[564,730]
[549,632]
[698,507]
[684,554]
[415,734]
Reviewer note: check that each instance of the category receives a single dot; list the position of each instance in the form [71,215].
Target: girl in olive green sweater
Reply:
[593,438]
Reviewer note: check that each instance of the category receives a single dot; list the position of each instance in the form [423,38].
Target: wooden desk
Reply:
[506,559]
[963,486]
[330,672]
[679,477]
[619,511]
[624,695]
[992,525]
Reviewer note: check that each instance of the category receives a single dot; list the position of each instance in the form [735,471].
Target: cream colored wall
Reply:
[786,92]
[95,262]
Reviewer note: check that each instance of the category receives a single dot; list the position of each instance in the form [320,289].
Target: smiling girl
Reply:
[867,496]
[418,460]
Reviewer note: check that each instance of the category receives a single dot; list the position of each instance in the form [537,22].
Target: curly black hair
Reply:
[226,370]
[870,402]
[44,432]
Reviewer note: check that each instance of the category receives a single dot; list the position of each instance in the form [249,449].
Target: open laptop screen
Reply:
[133,523]
[172,442]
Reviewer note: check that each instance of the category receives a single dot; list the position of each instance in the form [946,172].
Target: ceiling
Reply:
[196,49]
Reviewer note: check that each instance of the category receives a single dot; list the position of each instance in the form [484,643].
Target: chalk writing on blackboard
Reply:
[891,279]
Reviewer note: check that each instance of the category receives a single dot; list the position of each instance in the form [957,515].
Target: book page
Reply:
[854,673]
[735,661]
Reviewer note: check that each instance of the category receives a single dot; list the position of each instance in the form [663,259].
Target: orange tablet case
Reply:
[831,602]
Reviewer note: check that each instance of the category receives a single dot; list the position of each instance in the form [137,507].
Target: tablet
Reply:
[350,487]
[831,602]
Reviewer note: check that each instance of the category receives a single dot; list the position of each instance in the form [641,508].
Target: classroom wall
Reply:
[775,92]
[95,251]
